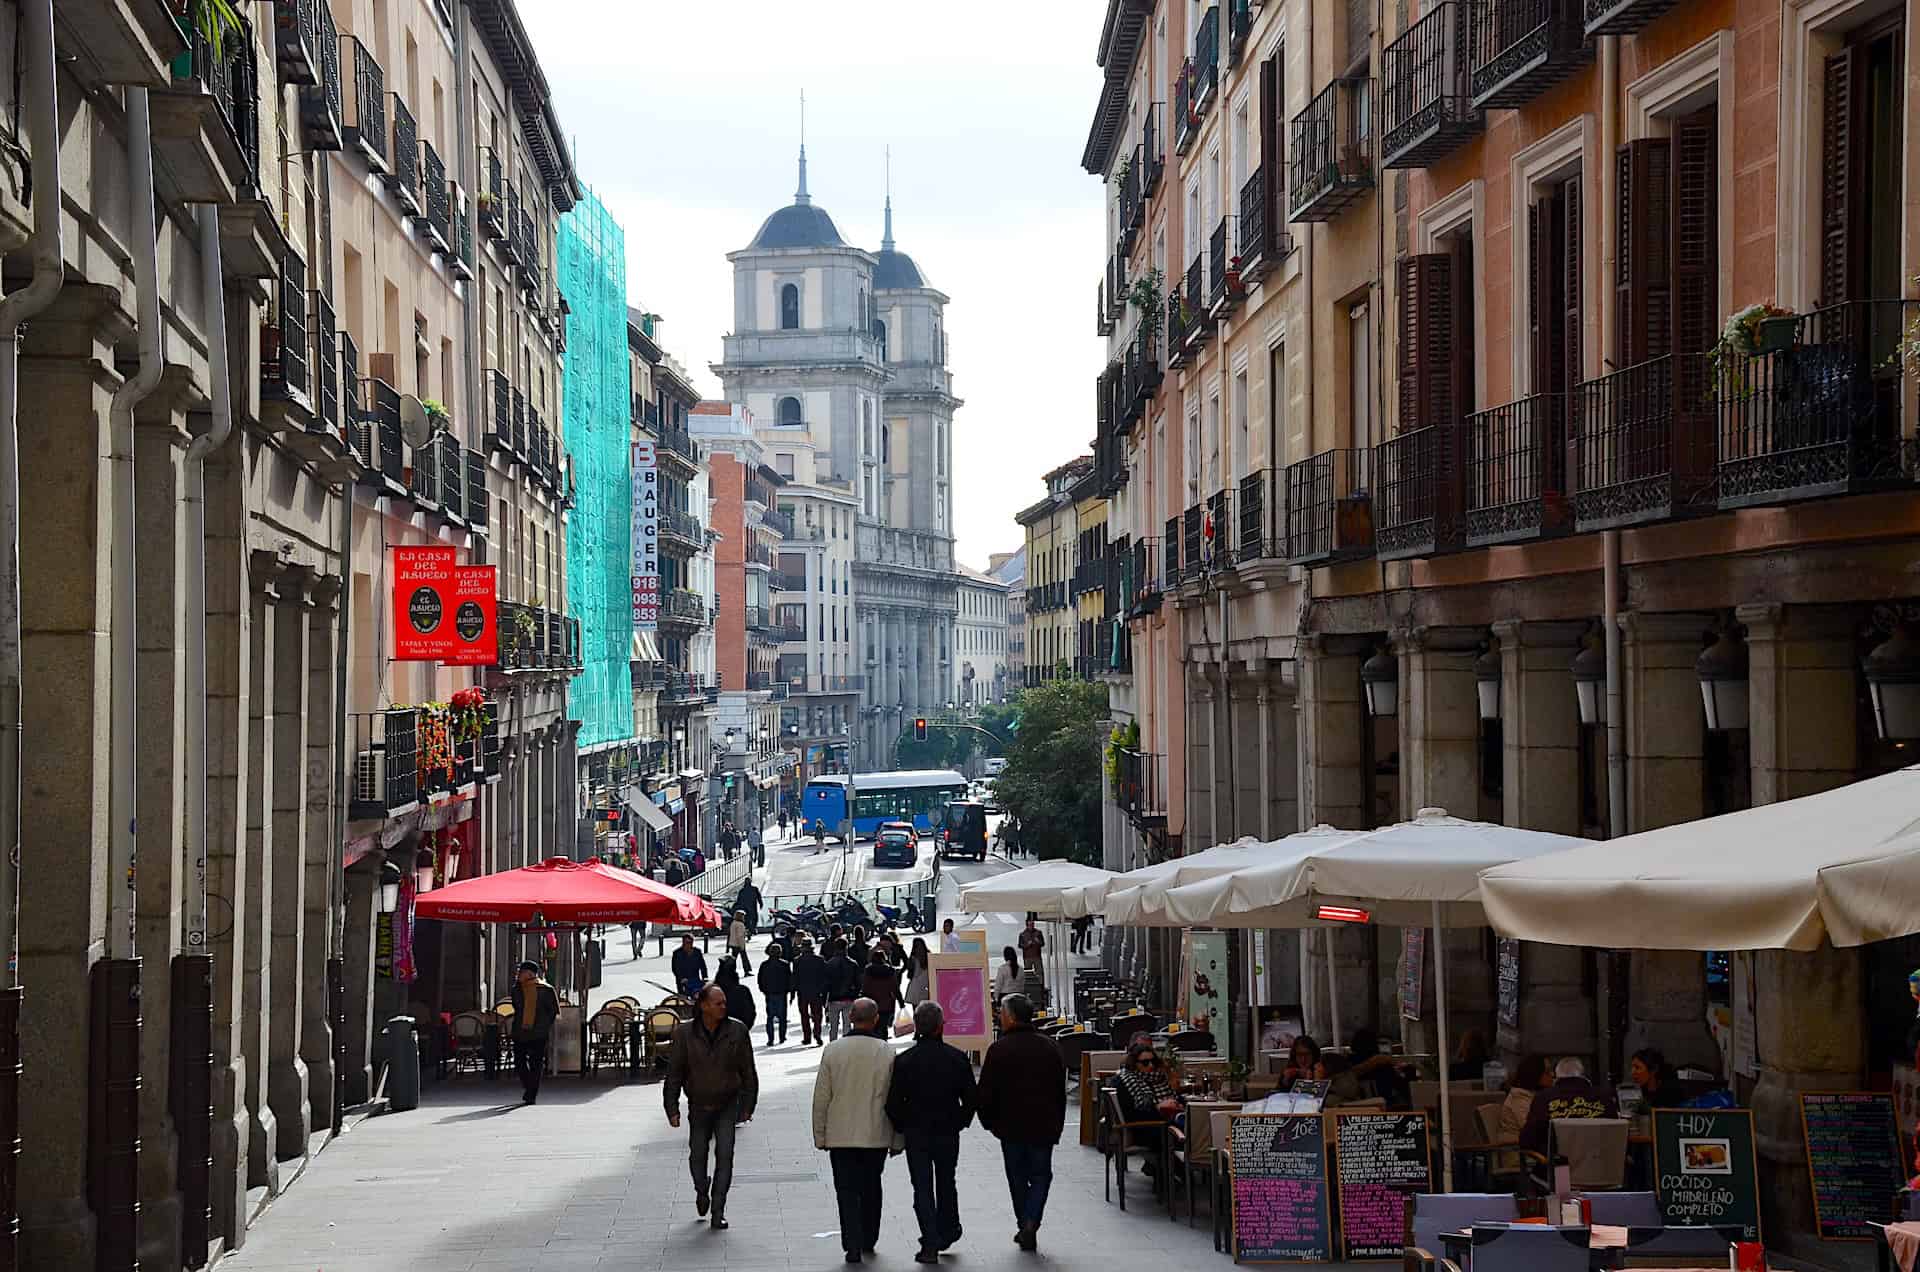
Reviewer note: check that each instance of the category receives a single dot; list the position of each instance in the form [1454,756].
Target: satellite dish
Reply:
[414,424]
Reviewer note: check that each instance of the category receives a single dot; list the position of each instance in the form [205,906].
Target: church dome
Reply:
[895,269]
[798,225]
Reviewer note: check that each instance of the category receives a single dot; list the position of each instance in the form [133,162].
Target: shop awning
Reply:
[646,811]
[561,891]
[645,648]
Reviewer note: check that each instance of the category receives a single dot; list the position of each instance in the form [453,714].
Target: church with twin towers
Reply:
[840,354]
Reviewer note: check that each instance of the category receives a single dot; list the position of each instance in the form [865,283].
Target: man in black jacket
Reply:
[776,986]
[535,1006]
[810,987]
[711,1059]
[843,986]
[1023,1100]
[930,1101]
[689,968]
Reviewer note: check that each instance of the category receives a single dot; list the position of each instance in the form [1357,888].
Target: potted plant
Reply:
[1233,276]
[437,413]
[1233,1085]
[1123,171]
[1145,293]
[1749,333]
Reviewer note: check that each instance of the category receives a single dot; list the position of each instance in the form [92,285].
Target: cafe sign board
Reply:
[443,612]
[1282,1211]
[1853,1161]
[1708,1174]
[1382,1159]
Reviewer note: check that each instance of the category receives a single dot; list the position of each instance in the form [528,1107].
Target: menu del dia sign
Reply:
[442,612]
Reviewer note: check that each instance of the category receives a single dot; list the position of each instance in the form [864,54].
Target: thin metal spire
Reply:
[801,195]
[886,238]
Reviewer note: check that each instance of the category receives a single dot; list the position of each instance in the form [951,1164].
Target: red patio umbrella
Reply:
[561,891]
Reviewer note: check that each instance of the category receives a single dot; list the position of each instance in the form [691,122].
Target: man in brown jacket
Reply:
[711,1058]
[1022,1099]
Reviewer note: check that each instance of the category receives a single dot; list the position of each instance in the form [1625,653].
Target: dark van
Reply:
[966,830]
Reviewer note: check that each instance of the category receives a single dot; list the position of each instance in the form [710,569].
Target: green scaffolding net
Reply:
[598,395]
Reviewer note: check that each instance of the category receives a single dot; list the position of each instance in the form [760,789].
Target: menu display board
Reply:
[1280,1204]
[1380,1158]
[1853,1159]
[1506,970]
[1707,1169]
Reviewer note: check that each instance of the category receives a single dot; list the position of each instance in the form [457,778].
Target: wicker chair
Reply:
[661,1022]
[606,1038]
[469,1030]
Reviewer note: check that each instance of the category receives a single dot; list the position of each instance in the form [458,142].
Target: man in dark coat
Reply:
[711,1059]
[747,901]
[843,986]
[535,1006]
[689,967]
[930,1102]
[776,986]
[810,981]
[1022,1099]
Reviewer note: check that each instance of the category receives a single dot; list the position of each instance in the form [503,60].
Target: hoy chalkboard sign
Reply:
[1280,1210]
[1506,966]
[1853,1159]
[1707,1171]
[1379,1159]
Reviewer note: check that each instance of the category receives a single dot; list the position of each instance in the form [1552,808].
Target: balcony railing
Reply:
[1195,316]
[1141,792]
[1239,27]
[1426,96]
[382,421]
[493,198]
[683,526]
[326,366]
[1206,59]
[366,105]
[1223,268]
[1521,48]
[1262,241]
[1143,363]
[1153,149]
[1186,120]
[1176,563]
[1515,471]
[1194,549]
[233,81]
[1102,319]
[477,495]
[1254,537]
[1622,17]
[386,773]
[433,176]
[284,339]
[404,180]
[684,606]
[296,40]
[780,522]
[1176,327]
[453,477]
[1331,158]
[320,101]
[517,434]
[1329,510]
[677,441]
[1642,442]
[1418,513]
[1141,596]
[1819,412]
[1217,530]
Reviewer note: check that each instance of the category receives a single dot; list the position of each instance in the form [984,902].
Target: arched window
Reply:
[790,307]
[880,337]
[789,411]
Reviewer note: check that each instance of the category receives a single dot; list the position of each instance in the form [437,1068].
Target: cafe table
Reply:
[1606,1243]
[1889,1238]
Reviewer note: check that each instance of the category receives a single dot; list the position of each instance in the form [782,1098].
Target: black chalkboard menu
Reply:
[1708,1174]
[1379,1159]
[1853,1158]
[1280,1208]
[1507,976]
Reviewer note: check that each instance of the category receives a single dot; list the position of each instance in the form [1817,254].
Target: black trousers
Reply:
[530,1061]
[812,1020]
[856,1186]
[931,1162]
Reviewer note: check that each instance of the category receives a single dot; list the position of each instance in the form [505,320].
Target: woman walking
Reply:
[918,973]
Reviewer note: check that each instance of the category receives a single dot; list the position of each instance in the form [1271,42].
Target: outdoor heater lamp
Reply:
[1723,682]
[1590,683]
[1380,678]
[1486,683]
[389,888]
[1342,914]
[1893,681]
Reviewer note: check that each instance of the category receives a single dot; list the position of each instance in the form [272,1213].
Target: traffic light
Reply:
[920,729]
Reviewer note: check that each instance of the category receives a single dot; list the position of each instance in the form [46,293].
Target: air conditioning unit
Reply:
[370,778]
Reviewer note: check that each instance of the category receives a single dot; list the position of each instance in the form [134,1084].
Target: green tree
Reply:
[1052,780]
[944,748]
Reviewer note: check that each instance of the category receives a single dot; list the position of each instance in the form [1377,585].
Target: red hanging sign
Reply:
[476,638]
[442,612]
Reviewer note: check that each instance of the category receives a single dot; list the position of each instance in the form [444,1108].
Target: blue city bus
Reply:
[919,796]
[825,801]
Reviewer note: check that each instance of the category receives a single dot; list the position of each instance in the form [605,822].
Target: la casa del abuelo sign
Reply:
[443,612]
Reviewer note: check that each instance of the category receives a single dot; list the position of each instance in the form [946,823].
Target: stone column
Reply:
[66,387]
[1279,759]
[231,768]
[258,987]
[362,913]
[1199,759]
[286,1077]
[1801,676]
[1336,790]
[1540,725]
[321,854]
[159,443]
[1665,745]
[1245,739]
[1439,719]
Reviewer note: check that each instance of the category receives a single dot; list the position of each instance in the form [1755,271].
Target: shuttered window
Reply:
[1643,273]
[1272,183]
[1429,361]
[1546,239]
[1861,214]
[1696,237]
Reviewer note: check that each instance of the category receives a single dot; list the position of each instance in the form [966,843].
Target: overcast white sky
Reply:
[684,119]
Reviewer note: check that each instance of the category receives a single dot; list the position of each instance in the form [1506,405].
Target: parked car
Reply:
[896,843]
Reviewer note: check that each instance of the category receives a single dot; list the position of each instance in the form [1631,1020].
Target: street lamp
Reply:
[1589,684]
[1893,682]
[389,887]
[1722,667]
[423,871]
[1486,683]
[1380,679]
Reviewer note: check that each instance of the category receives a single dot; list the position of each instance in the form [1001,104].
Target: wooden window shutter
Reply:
[1426,341]
[1836,179]
[1696,231]
[1642,275]
[1546,234]
[1270,184]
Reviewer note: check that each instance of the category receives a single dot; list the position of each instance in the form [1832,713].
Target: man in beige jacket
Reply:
[850,1123]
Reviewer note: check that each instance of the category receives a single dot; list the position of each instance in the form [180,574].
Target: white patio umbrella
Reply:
[1425,872]
[1842,866]
[1041,889]
[1135,899]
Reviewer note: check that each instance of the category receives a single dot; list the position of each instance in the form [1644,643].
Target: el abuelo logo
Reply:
[424,608]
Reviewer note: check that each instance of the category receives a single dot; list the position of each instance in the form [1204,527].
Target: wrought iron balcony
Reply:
[1102,317]
[477,494]
[1515,472]
[381,420]
[1263,241]
[433,176]
[1116,286]
[285,343]
[296,40]
[517,435]
[326,366]
[365,121]
[684,606]
[1195,315]
[510,227]
[1642,442]
[1239,27]
[462,262]
[404,179]
[233,83]
[493,195]
[423,480]
[1223,267]
[1425,87]
[1216,531]
[499,396]
[1818,413]
[386,774]
[452,474]
[1521,48]
[1194,549]
[320,100]
[1153,149]
[1622,17]
[1172,575]
[1419,482]
[1143,363]
[1329,511]
[779,521]
[679,442]
[1176,327]
[1206,60]
[1141,791]
[354,415]
[1254,539]
[1186,118]
[1331,158]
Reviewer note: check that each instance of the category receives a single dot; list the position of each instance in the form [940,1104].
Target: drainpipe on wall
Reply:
[1610,125]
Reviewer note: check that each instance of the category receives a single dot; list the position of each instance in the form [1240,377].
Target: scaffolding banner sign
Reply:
[646,539]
